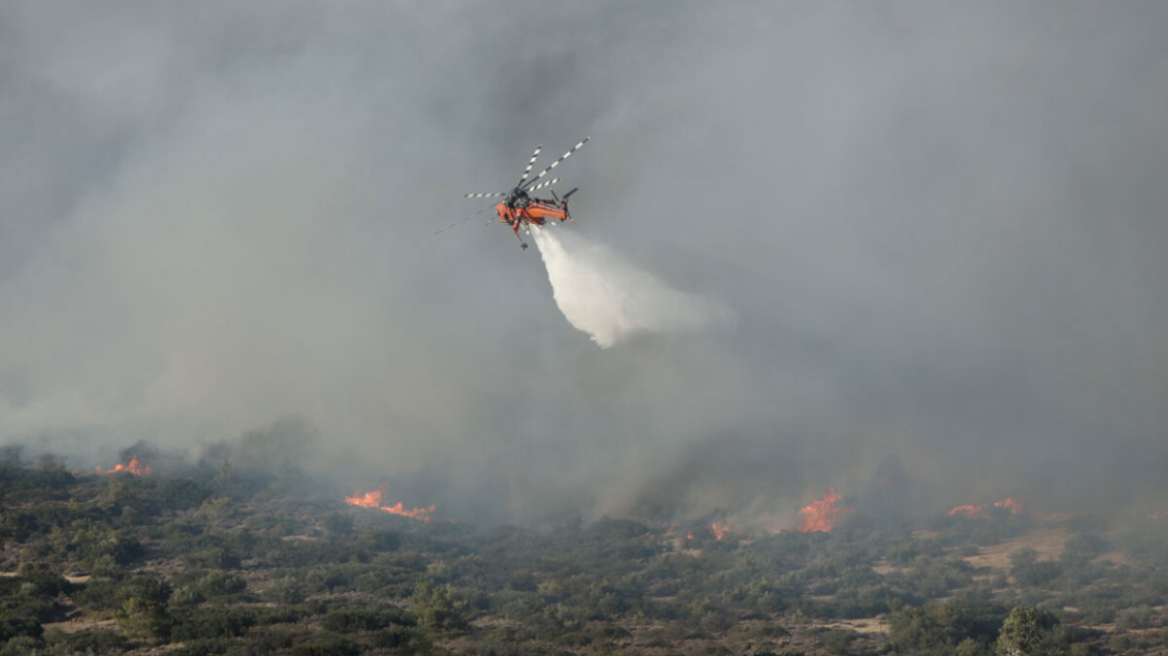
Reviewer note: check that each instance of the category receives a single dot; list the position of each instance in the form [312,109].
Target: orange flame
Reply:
[1158,514]
[134,467]
[979,512]
[822,514]
[720,530]
[373,500]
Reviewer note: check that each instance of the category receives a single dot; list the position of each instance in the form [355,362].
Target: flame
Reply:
[134,467]
[373,500]
[689,535]
[720,530]
[1158,514]
[822,514]
[979,512]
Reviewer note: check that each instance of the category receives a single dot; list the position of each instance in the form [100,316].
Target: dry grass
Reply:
[868,625]
[1048,542]
[85,623]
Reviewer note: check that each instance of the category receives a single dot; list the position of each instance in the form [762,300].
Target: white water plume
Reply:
[611,299]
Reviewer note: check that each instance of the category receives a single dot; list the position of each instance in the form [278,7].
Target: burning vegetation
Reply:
[373,500]
[133,467]
[981,512]
[216,561]
[720,530]
[821,515]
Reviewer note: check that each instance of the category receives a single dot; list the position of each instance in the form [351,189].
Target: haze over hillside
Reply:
[940,230]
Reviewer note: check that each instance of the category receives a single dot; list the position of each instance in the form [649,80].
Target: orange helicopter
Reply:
[521,209]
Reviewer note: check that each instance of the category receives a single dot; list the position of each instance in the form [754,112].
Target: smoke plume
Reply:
[940,226]
[612,299]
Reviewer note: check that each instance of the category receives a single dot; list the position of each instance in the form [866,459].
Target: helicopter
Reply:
[520,209]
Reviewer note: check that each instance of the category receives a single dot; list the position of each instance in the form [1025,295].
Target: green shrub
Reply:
[211,622]
[219,584]
[354,620]
[144,619]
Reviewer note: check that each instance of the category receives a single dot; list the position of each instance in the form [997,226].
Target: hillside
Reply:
[206,561]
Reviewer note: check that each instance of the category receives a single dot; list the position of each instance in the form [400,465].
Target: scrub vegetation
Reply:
[205,561]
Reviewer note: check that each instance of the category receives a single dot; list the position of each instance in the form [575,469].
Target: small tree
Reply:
[1024,632]
[437,608]
[144,619]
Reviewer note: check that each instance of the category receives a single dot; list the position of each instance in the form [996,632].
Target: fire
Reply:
[373,500]
[720,530]
[822,514]
[134,467]
[979,512]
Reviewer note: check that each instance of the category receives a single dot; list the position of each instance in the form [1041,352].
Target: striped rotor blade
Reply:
[530,164]
[493,195]
[562,158]
[546,183]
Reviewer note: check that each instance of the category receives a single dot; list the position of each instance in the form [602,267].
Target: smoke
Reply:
[940,228]
[611,299]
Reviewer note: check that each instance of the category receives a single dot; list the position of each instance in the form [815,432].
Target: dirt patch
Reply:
[1048,542]
[1113,557]
[866,625]
[82,624]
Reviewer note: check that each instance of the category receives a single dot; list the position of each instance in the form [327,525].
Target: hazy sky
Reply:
[942,227]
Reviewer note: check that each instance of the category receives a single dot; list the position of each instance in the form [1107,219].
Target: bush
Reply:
[184,493]
[88,642]
[219,584]
[11,627]
[144,619]
[329,646]
[1139,617]
[211,622]
[1025,632]
[403,641]
[439,608]
[354,621]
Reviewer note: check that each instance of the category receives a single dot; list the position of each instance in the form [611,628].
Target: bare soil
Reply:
[1048,542]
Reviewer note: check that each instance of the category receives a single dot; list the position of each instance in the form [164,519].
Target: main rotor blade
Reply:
[546,184]
[530,164]
[557,162]
[492,195]
[458,223]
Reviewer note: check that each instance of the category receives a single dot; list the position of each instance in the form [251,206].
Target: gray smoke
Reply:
[940,226]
